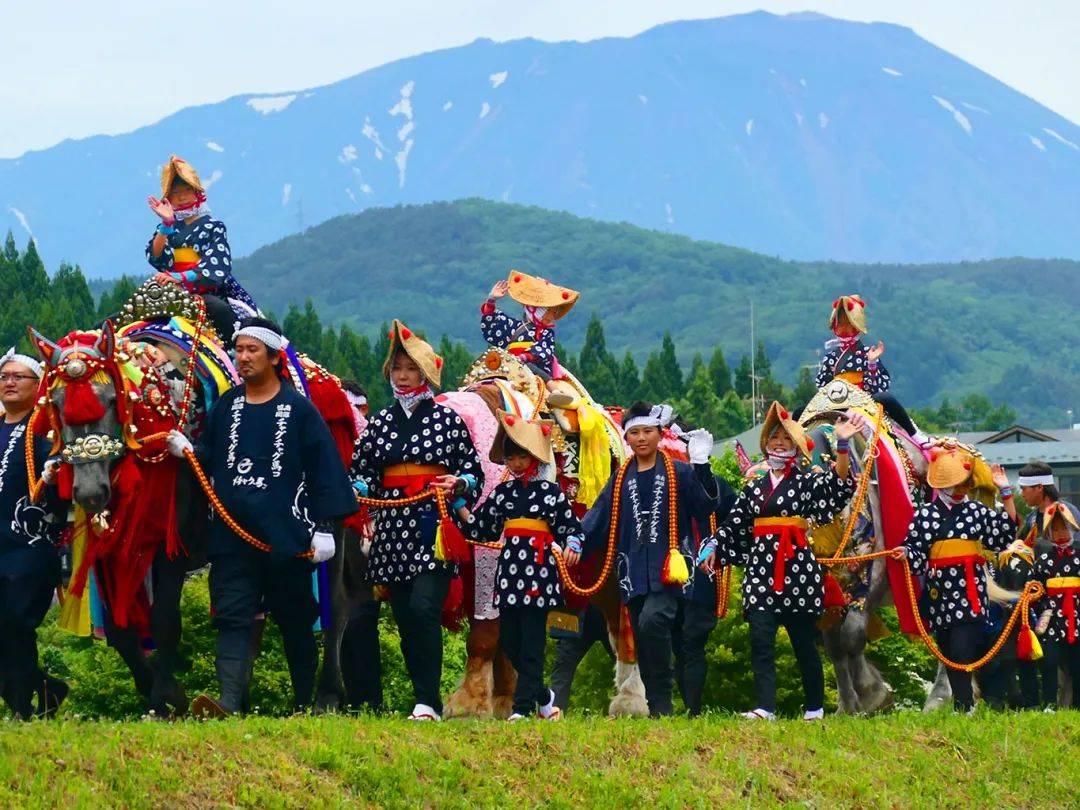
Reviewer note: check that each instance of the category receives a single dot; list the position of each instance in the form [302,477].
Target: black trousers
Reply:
[569,652]
[417,607]
[523,637]
[221,316]
[361,658]
[963,643]
[1019,679]
[896,412]
[1063,654]
[803,634]
[245,582]
[693,624]
[27,577]
[652,618]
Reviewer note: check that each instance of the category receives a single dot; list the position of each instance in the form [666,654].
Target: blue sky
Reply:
[75,69]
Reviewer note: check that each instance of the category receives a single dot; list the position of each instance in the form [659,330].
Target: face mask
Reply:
[782,461]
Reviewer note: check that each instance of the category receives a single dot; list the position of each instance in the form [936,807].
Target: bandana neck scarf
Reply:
[535,317]
[199,208]
[528,474]
[949,499]
[411,397]
[781,463]
[844,344]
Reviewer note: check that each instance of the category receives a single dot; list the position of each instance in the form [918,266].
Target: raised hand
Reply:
[851,424]
[997,473]
[875,353]
[163,208]
[500,289]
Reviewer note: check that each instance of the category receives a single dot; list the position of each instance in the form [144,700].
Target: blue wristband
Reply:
[166,230]
[361,487]
[707,548]
[469,480]
[574,545]
[458,503]
[842,445]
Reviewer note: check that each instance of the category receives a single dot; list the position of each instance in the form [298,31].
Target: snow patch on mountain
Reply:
[485,108]
[216,175]
[961,119]
[372,134]
[447,106]
[750,126]
[1061,138]
[286,193]
[975,107]
[497,79]
[823,120]
[891,71]
[1038,144]
[19,215]
[271,104]
[348,154]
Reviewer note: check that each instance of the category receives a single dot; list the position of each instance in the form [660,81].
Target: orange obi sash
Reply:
[950,551]
[851,377]
[520,347]
[185,258]
[791,532]
[538,533]
[412,478]
[1068,588]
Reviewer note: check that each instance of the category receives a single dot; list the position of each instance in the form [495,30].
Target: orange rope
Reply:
[861,490]
[1033,591]
[609,553]
[723,577]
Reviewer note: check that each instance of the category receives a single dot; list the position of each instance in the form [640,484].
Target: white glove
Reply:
[322,543]
[178,443]
[665,413]
[1019,547]
[699,444]
[48,474]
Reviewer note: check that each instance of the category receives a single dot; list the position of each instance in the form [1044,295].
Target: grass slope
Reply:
[902,760]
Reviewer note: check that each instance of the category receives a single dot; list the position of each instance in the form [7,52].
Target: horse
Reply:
[108,398]
[895,468]
[499,380]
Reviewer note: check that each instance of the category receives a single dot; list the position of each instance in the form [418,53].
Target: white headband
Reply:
[274,342]
[356,400]
[659,417]
[29,362]
[1035,480]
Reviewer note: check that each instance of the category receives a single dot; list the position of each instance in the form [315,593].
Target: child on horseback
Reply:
[190,248]
[847,358]
[530,513]
[532,339]
[765,532]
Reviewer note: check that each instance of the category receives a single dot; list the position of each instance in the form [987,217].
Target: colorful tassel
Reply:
[1028,647]
[675,571]
[834,594]
[81,404]
[450,544]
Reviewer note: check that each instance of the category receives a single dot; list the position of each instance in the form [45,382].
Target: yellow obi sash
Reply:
[185,258]
[519,347]
[791,533]
[851,377]
[412,478]
[538,533]
[950,551]
[1069,589]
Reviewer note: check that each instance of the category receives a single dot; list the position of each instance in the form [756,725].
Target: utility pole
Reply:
[753,369]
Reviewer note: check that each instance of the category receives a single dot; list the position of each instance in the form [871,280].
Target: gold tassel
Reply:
[675,571]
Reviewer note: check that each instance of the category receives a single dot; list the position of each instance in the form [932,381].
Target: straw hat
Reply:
[1058,509]
[418,349]
[534,291]
[530,435]
[951,464]
[778,416]
[178,167]
[853,307]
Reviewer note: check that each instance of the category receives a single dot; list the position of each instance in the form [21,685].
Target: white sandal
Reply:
[758,714]
[424,713]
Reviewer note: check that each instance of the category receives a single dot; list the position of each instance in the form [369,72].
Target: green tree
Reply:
[804,388]
[719,372]
[629,382]
[743,384]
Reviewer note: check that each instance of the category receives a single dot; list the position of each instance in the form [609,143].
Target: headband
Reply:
[1035,480]
[29,362]
[356,400]
[660,416]
[274,342]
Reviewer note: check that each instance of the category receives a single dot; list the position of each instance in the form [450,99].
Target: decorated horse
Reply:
[890,467]
[108,399]
[588,446]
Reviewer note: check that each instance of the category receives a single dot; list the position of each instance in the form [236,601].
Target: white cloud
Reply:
[271,104]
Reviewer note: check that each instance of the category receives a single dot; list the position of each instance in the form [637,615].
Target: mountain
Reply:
[800,136]
[1003,328]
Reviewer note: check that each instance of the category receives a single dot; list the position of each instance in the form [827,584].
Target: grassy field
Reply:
[901,760]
